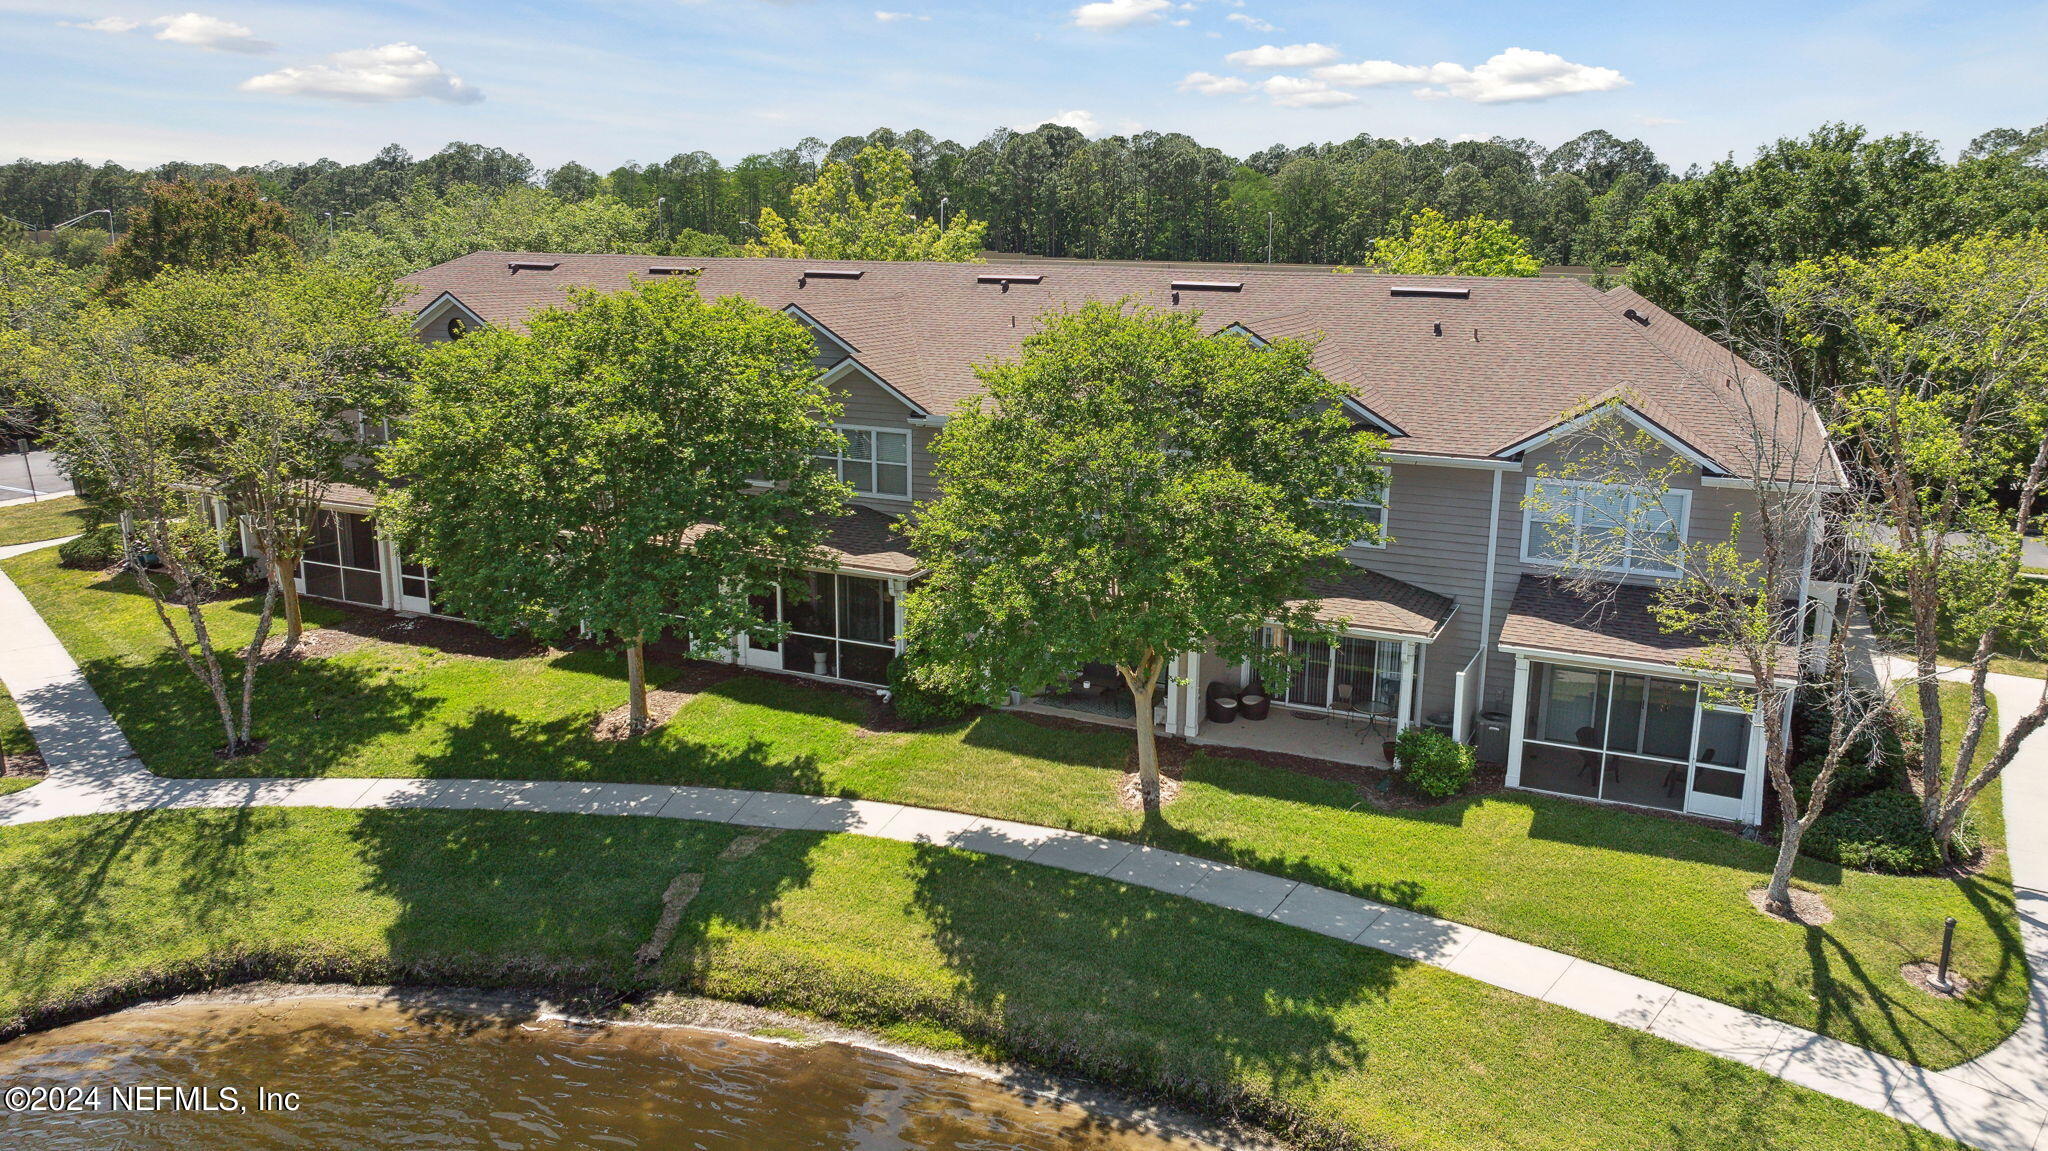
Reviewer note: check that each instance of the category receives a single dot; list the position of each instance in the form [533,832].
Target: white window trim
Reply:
[875,461]
[1625,568]
[1385,504]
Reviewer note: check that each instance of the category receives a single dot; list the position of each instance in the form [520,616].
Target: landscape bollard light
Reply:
[1948,943]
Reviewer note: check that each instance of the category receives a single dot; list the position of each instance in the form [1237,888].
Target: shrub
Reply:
[916,704]
[95,549]
[1883,831]
[1434,764]
[1871,764]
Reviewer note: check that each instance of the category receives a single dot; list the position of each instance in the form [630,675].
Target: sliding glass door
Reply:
[1354,674]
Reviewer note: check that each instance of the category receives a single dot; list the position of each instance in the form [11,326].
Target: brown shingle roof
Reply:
[867,539]
[1516,354]
[1366,599]
[1548,615]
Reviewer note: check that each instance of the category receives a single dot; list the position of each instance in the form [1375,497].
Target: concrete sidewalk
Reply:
[1998,1103]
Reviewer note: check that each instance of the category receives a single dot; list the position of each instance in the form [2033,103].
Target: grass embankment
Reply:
[44,520]
[927,945]
[1662,899]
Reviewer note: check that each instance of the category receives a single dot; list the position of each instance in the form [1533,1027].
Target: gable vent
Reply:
[672,270]
[533,265]
[833,273]
[1208,285]
[1429,293]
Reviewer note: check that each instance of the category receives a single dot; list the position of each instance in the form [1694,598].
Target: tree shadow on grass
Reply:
[312,715]
[1877,1008]
[493,744]
[73,901]
[1139,988]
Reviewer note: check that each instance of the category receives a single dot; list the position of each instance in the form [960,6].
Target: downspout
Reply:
[1486,596]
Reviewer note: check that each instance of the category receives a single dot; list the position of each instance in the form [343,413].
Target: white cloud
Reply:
[104,24]
[1516,74]
[893,17]
[1290,56]
[1251,22]
[1301,92]
[1083,121]
[1109,15]
[1210,84]
[210,32]
[368,75]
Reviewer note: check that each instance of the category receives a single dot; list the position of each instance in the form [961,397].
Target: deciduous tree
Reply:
[1128,490]
[640,462]
[1435,245]
[860,210]
[1948,429]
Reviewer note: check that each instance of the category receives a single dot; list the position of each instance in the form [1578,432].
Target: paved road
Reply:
[34,474]
[1998,1103]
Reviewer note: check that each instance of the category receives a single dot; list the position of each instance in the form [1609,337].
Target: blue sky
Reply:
[608,81]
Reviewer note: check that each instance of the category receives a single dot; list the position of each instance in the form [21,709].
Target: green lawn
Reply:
[934,946]
[1660,898]
[2013,657]
[14,740]
[44,520]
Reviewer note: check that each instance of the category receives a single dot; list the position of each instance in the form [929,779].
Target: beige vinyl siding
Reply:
[1436,529]
[867,405]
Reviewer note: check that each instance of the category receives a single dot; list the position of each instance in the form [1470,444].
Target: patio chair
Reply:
[1589,754]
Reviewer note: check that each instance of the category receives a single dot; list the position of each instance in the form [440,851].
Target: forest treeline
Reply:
[1688,238]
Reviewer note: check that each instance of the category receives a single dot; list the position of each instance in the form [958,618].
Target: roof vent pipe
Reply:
[1638,317]
[1438,327]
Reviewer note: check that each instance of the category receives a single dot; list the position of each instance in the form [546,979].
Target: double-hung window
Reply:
[1607,526]
[875,461]
[1375,510]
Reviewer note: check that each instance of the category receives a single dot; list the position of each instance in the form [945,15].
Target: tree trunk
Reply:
[636,687]
[1778,895]
[294,623]
[252,657]
[1141,681]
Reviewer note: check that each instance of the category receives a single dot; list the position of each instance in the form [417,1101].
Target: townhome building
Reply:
[1455,618]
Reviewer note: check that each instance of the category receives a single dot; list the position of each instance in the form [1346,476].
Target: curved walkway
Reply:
[1999,1102]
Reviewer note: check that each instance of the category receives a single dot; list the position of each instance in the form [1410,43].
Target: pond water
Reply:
[360,1073]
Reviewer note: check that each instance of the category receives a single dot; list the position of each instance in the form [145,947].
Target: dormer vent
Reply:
[1208,285]
[1638,317]
[532,265]
[672,270]
[1429,292]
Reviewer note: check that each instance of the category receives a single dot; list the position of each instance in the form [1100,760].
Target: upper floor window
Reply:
[1606,526]
[1375,510]
[875,461]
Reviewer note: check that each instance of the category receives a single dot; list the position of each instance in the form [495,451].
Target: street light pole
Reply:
[1269,238]
[112,233]
[661,216]
[942,212]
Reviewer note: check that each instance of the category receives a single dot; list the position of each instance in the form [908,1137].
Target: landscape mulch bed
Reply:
[25,765]
[663,701]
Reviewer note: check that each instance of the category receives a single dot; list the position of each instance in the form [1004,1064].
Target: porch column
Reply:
[896,589]
[1173,676]
[1753,781]
[1405,704]
[1191,697]
[1518,719]
[387,570]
